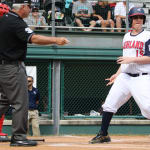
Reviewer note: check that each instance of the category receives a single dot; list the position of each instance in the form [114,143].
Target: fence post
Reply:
[127,11]
[56,96]
[53,17]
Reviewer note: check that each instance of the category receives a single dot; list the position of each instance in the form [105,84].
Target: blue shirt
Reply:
[34,96]
[68,2]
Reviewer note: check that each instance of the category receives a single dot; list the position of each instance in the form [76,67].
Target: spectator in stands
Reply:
[2,1]
[83,10]
[112,5]
[102,15]
[68,11]
[35,3]
[36,19]
[7,2]
[120,13]
[59,16]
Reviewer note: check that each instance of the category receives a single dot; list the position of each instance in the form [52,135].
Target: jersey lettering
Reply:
[133,44]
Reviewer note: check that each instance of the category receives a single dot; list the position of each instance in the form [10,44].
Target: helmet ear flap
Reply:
[144,20]
[130,22]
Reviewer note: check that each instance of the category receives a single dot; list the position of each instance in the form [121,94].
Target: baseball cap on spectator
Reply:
[22,1]
[19,2]
[100,1]
[35,9]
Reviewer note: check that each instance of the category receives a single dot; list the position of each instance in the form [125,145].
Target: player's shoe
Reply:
[4,138]
[99,138]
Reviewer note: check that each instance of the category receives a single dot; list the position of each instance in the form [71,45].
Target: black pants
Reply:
[13,84]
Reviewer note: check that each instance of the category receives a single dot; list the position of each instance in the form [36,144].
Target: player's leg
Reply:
[1,123]
[4,105]
[3,136]
[140,88]
[118,95]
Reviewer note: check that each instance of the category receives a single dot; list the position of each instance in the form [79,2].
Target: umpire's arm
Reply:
[45,40]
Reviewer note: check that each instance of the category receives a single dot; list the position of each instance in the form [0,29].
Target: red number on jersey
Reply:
[139,53]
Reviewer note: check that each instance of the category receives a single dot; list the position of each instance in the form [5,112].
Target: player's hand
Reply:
[62,41]
[125,60]
[111,79]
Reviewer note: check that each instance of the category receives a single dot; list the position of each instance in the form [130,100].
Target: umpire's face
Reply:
[26,8]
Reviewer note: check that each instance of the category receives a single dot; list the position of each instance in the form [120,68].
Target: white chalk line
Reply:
[125,146]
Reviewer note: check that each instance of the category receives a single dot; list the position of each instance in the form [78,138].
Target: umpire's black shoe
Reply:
[25,143]
[99,138]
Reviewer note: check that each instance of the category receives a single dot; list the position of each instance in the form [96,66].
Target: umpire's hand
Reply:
[61,41]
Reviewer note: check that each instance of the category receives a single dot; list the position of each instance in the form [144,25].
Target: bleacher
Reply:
[145,4]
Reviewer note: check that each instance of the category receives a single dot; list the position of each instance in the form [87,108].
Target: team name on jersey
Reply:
[133,44]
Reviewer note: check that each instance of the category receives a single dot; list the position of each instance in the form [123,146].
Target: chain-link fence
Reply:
[43,84]
[43,80]
[84,90]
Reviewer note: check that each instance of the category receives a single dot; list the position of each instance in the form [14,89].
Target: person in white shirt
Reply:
[36,19]
[120,13]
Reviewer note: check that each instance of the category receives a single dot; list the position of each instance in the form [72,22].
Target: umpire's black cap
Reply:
[22,1]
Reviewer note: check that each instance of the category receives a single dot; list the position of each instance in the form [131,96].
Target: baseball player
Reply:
[133,76]
[3,136]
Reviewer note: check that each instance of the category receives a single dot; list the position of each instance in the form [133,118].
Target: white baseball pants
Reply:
[126,86]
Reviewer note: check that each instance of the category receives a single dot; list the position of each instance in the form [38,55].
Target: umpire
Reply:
[14,36]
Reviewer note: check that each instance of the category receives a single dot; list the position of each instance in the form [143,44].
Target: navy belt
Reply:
[137,74]
[8,62]
[32,109]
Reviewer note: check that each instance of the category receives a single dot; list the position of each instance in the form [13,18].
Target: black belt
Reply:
[137,74]
[32,109]
[8,62]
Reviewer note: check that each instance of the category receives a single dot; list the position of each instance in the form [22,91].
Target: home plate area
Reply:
[67,142]
[117,143]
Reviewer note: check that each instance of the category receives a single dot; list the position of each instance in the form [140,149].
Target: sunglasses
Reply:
[29,81]
[35,11]
[138,17]
[29,6]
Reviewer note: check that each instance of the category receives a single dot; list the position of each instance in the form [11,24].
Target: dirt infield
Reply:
[69,142]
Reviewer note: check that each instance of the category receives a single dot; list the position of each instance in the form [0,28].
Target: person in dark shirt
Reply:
[102,15]
[33,114]
[14,36]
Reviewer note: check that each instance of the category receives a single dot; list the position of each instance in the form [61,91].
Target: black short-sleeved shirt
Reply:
[14,36]
[102,11]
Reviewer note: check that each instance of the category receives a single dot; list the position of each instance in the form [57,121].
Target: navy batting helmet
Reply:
[136,11]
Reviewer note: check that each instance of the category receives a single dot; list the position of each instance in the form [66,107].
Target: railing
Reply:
[145,4]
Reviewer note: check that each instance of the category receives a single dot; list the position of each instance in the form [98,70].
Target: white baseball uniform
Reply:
[126,85]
